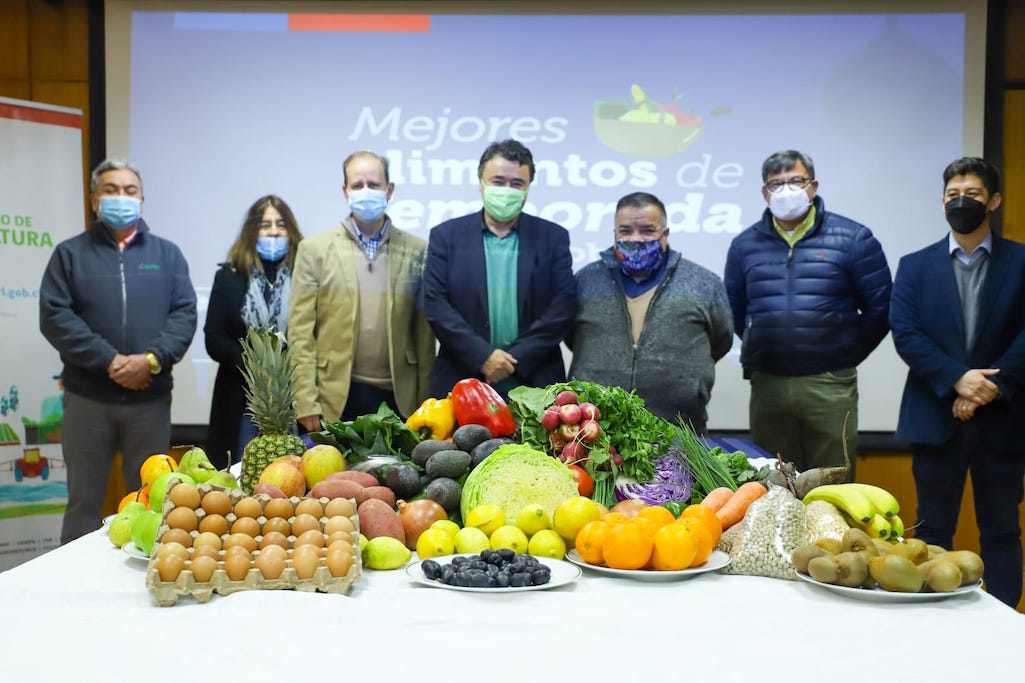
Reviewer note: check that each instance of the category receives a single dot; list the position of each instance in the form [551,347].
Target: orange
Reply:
[656,515]
[154,466]
[629,507]
[614,518]
[627,546]
[674,548]
[590,539]
[130,497]
[706,515]
[704,538]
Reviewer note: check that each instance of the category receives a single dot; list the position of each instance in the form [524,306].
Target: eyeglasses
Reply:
[798,182]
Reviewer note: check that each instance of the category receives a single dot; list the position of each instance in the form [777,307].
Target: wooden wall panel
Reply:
[14,39]
[59,40]
[1014,46]
[17,89]
[1014,164]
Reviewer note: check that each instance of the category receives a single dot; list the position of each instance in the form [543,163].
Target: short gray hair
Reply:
[786,160]
[111,165]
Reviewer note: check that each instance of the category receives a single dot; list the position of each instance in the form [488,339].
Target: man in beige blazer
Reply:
[356,324]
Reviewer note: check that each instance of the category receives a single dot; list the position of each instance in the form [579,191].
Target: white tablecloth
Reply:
[82,613]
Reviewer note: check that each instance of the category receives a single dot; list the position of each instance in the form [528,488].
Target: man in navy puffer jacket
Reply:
[810,293]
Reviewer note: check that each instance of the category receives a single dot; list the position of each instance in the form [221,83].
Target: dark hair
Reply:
[639,200]
[784,161]
[512,150]
[976,166]
[364,153]
[242,255]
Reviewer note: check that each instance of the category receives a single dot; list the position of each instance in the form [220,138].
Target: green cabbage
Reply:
[514,476]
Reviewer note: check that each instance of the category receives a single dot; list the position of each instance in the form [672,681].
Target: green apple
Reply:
[144,530]
[320,461]
[158,489]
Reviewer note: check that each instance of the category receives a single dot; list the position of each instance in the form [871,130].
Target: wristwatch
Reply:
[154,363]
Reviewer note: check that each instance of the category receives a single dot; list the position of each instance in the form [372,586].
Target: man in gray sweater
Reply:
[649,319]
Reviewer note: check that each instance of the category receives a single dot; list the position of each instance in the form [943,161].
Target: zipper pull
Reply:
[790,256]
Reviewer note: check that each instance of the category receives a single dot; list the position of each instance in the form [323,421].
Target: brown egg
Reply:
[305,561]
[169,567]
[314,537]
[342,546]
[248,507]
[172,548]
[310,506]
[237,566]
[217,503]
[182,518]
[278,524]
[338,562]
[246,525]
[339,506]
[184,495]
[240,539]
[177,536]
[206,551]
[202,568]
[278,507]
[339,523]
[271,562]
[275,538]
[207,538]
[214,523]
[303,523]
[344,536]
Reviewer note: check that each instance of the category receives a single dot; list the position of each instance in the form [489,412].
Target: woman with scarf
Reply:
[250,290]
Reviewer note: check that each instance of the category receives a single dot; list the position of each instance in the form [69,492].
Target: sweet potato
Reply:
[381,493]
[377,518]
[338,488]
[361,478]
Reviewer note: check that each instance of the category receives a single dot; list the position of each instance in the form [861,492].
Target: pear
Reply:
[197,465]
[829,544]
[224,479]
[120,530]
[895,573]
[385,552]
[913,549]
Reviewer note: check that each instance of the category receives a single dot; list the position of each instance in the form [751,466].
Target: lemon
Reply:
[532,519]
[510,537]
[572,514]
[446,525]
[433,543]
[487,518]
[547,543]
[363,540]
[471,540]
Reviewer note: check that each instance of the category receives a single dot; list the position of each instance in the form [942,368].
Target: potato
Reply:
[361,478]
[377,518]
[338,488]
[381,493]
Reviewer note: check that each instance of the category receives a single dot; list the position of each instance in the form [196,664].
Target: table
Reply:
[82,613]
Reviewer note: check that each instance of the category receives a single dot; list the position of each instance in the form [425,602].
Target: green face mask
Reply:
[503,203]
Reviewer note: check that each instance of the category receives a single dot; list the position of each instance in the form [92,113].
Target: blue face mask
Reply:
[272,248]
[368,204]
[118,211]
[639,258]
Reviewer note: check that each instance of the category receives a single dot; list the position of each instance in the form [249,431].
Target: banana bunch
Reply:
[868,507]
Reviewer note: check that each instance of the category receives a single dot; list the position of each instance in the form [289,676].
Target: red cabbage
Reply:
[672,481]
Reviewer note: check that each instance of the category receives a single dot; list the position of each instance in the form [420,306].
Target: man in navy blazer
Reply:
[958,321]
[499,290]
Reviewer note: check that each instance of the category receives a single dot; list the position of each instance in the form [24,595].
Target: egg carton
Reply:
[168,593]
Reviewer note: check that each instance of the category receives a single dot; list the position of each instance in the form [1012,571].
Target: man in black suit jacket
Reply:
[958,321]
[498,284]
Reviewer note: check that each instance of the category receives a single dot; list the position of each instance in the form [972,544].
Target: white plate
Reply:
[717,560]
[880,595]
[133,551]
[108,519]
[562,574]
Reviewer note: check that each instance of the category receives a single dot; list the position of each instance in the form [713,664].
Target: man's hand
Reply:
[964,409]
[131,372]
[975,386]
[311,423]
[499,365]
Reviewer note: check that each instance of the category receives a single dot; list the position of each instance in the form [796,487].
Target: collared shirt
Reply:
[985,247]
[501,256]
[372,244]
[794,236]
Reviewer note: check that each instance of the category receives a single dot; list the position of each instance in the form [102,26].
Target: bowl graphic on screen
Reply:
[644,127]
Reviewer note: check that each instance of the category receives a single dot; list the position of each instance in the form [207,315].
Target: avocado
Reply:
[445,492]
[450,463]
[403,480]
[486,448]
[426,448]
[467,437]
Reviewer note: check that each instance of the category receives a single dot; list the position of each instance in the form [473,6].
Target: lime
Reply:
[486,517]
[510,537]
[363,540]
[532,519]
[385,552]
[547,543]
[572,514]
[471,540]
[433,543]
[446,525]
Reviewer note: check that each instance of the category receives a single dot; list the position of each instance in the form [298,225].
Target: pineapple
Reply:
[270,394]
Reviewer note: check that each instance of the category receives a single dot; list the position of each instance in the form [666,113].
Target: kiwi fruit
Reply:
[829,544]
[853,568]
[941,576]
[823,569]
[913,549]
[803,554]
[895,573]
[856,540]
[968,562]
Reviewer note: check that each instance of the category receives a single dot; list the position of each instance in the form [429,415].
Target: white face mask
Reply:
[789,203]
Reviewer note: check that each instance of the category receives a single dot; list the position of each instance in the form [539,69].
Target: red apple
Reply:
[286,475]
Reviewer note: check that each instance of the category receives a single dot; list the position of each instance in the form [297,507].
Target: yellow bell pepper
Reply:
[435,418]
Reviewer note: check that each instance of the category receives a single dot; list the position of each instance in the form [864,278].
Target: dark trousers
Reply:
[365,399]
[997,485]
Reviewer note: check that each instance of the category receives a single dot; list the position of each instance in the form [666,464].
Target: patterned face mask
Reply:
[639,258]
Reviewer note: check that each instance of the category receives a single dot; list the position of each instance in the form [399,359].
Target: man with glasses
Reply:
[499,284]
[649,319]
[117,304]
[810,293]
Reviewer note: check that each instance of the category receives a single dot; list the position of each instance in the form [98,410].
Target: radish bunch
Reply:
[571,427]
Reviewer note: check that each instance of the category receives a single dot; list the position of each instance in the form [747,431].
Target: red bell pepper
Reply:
[477,402]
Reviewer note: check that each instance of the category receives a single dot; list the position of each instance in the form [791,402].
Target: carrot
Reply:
[716,498]
[736,507]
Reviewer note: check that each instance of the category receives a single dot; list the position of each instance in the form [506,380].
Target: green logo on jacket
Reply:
[149,266]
